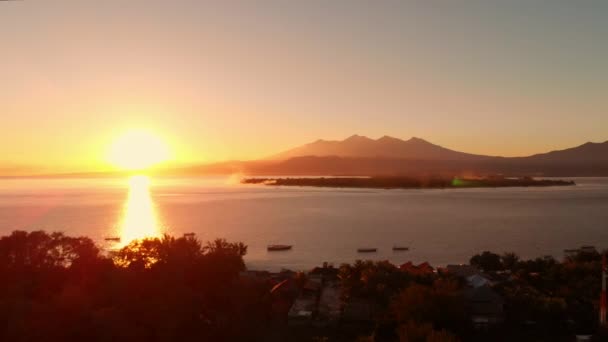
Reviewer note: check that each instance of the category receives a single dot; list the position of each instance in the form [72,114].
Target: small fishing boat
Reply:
[367,250]
[274,248]
[113,238]
[400,248]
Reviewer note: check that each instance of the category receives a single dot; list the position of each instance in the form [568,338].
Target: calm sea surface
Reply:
[439,226]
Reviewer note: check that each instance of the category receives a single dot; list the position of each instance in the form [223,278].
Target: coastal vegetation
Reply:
[408,182]
[56,288]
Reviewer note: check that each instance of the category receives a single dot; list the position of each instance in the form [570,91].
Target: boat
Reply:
[274,248]
[189,235]
[367,250]
[113,238]
[400,248]
[588,249]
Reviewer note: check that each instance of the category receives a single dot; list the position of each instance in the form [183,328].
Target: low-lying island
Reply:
[408,182]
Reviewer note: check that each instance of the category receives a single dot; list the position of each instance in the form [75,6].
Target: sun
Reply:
[137,150]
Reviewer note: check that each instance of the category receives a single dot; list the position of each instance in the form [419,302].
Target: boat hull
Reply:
[367,250]
[277,248]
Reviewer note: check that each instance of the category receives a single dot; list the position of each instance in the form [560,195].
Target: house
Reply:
[312,286]
[422,269]
[328,272]
[485,306]
[477,280]
[462,271]
[330,304]
[301,312]
[474,277]
[304,308]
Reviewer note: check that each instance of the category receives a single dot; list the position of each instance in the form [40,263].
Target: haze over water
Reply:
[439,226]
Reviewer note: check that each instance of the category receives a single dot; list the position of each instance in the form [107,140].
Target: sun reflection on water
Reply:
[139,216]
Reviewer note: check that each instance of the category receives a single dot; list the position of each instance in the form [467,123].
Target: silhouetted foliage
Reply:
[509,261]
[56,288]
[406,182]
[487,261]
[440,304]
[379,280]
[59,288]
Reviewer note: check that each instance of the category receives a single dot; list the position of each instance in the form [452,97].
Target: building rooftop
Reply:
[330,304]
[302,307]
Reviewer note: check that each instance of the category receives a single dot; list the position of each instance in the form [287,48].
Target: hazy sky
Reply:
[246,79]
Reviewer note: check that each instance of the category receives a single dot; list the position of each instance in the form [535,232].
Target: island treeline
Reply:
[59,288]
[407,182]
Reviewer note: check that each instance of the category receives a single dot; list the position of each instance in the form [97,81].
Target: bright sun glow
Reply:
[139,220]
[137,150]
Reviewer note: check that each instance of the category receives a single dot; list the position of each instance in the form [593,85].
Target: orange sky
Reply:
[222,82]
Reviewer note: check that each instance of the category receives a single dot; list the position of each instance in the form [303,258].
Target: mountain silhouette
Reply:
[388,156]
[360,155]
[588,152]
[385,147]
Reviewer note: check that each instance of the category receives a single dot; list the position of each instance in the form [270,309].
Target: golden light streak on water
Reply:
[139,217]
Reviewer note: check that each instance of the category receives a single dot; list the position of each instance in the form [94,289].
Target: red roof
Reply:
[423,268]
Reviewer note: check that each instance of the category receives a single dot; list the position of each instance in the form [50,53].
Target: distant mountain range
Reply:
[388,156]
[385,147]
[419,149]
[359,155]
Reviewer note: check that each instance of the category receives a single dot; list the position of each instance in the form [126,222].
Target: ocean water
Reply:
[439,226]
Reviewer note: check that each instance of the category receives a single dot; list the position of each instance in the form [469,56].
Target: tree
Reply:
[139,254]
[39,249]
[221,246]
[440,305]
[509,260]
[487,261]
